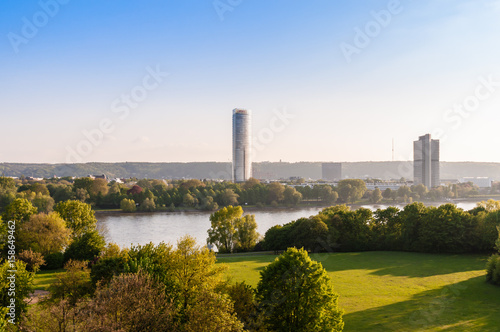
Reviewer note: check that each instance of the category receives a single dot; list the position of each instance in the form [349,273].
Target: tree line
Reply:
[161,195]
[416,227]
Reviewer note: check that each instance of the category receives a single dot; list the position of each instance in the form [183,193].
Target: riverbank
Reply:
[318,205]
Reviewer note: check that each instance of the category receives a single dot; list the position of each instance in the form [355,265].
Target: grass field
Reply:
[396,291]
[43,279]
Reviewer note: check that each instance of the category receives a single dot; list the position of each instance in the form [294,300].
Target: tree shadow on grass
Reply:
[407,264]
[470,305]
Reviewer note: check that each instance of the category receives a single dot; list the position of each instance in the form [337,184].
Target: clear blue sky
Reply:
[65,69]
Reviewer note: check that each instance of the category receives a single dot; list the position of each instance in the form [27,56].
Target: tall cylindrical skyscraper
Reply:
[242,145]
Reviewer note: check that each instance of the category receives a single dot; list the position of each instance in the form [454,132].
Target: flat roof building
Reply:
[426,161]
[331,171]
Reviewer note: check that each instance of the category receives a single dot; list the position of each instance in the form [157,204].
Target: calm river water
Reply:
[142,228]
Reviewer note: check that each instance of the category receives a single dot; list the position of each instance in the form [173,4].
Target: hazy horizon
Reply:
[258,162]
[157,81]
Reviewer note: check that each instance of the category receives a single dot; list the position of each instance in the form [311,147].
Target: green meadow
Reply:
[43,279]
[400,291]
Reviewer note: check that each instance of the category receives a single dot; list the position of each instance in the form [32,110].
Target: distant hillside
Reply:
[215,170]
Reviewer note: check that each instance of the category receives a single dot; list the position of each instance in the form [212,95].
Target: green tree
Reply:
[128,205]
[404,191]
[386,229]
[328,195]
[489,205]
[310,233]
[44,233]
[276,192]
[155,260]
[295,293]
[82,195]
[250,183]
[98,187]
[420,189]
[44,203]
[497,243]
[63,193]
[73,285]
[209,204]
[22,289]
[189,200]
[20,210]
[387,194]
[79,217]
[148,205]
[276,238]
[131,302]
[83,183]
[212,312]
[32,259]
[197,277]
[229,197]
[37,187]
[445,229]
[7,183]
[411,217]
[224,227]
[85,247]
[62,311]
[291,196]
[245,306]
[351,190]
[246,233]
[376,196]
[351,228]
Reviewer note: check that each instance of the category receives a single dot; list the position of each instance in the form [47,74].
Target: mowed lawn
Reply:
[399,291]
[43,279]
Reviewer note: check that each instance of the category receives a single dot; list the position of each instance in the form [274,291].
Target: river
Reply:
[142,228]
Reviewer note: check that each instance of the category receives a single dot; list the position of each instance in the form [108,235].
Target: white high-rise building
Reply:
[426,161]
[242,145]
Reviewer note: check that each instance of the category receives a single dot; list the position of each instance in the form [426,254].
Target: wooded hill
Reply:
[265,170]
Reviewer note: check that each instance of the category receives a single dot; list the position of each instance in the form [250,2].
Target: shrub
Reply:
[53,261]
[148,205]
[86,247]
[106,268]
[171,208]
[72,285]
[32,259]
[493,270]
[132,302]
[128,205]
[245,305]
